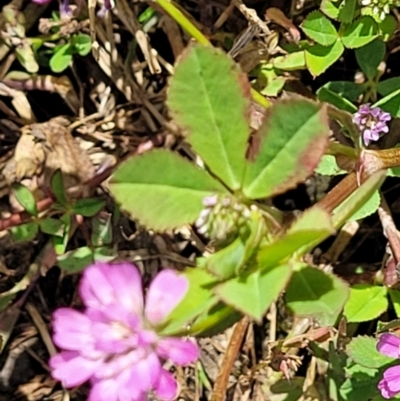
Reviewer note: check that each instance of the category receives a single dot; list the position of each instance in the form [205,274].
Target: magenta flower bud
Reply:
[389,345]
[114,342]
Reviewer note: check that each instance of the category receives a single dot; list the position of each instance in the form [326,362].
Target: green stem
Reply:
[169,7]
[337,149]
[183,21]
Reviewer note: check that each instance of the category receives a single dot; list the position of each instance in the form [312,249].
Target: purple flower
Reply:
[389,345]
[65,9]
[114,341]
[105,8]
[372,122]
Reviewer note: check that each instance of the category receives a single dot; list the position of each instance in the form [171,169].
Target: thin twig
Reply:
[232,351]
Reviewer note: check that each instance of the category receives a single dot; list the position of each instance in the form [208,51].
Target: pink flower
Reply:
[389,345]
[114,341]
[372,122]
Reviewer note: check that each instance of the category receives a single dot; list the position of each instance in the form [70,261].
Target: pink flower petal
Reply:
[106,284]
[72,369]
[95,289]
[390,384]
[179,351]
[72,329]
[365,108]
[104,390]
[166,291]
[385,392]
[375,112]
[118,385]
[389,345]
[167,388]
[127,284]
[145,374]
[118,365]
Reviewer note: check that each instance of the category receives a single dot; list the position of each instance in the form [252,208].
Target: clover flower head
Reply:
[114,342]
[381,8]
[372,122]
[389,345]
[221,216]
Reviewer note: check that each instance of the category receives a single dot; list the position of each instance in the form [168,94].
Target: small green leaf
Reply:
[146,15]
[387,27]
[197,301]
[52,226]
[286,390]
[286,151]
[360,384]
[395,298]
[327,95]
[25,232]
[162,189]
[58,188]
[214,321]
[370,56]
[76,260]
[36,43]
[388,86]
[61,58]
[274,87]
[390,103]
[102,229]
[350,90]
[393,172]
[302,234]
[318,28]
[368,208]
[104,254]
[315,294]
[88,207]
[330,8]
[60,241]
[82,44]
[290,62]
[366,302]
[328,166]
[362,350]
[209,99]
[319,58]
[347,11]
[253,293]
[357,199]
[25,198]
[359,33]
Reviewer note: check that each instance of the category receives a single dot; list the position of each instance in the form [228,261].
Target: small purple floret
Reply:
[105,8]
[389,345]
[372,122]
[114,342]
